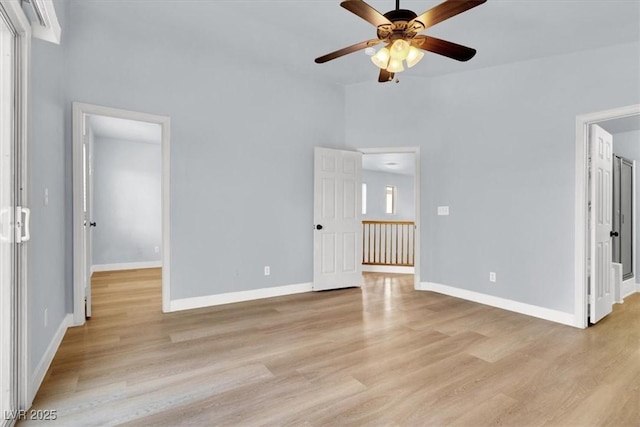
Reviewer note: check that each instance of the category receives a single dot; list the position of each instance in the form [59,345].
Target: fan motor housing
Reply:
[400,19]
[400,15]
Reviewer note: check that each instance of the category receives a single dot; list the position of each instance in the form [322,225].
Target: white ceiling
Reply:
[400,163]
[502,31]
[290,34]
[130,130]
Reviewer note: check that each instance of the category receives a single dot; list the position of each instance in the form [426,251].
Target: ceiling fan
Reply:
[399,29]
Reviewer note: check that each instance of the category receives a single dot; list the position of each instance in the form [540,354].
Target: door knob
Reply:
[319,227]
[614,234]
[92,224]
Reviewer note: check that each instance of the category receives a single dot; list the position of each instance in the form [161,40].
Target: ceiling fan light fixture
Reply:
[400,49]
[381,59]
[414,56]
[395,65]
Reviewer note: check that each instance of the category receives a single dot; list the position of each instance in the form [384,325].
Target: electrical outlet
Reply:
[46,317]
[443,210]
[267,270]
[46,196]
[492,276]
[157,249]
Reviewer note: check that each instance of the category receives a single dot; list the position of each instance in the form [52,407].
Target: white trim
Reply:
[47,357]
[581,188]
[416,200]
[51,30]
[393,269]
[503,303]
[633,214]
[126,266]
[628,287]
[231,297]
[23,53]
[79,111]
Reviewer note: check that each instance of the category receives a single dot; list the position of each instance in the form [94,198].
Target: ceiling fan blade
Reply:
[442,12]
[385,76]
[349,49]
[366,12]
[444,48]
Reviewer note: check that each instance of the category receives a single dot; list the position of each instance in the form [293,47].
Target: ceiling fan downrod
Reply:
[397,4]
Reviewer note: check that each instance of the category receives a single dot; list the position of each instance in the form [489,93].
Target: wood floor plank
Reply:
[383,354]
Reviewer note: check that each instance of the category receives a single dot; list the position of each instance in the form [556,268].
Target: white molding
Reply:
[231,297]
[126,266]
[79,111]
[503,303]
[23,54]
[628,287]
[416,194]
[633,215]
[51,30]
[393,269]
[47,357]
[581,227]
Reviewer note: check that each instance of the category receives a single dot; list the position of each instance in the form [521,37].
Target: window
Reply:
[390,200]
[364,198]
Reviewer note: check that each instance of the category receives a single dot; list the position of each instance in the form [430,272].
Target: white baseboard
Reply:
[503,303]
[231,297]
[388,269]
[126,266]
[629,289]
[47,357]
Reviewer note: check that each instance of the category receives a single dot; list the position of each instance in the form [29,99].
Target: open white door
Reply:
[601,226]
[337,240]
[87,148]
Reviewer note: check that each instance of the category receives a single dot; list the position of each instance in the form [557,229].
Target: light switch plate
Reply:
[443,210]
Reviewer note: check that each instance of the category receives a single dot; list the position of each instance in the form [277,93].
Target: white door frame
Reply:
[416,192]
[581,199]
[79,111]
[23,55]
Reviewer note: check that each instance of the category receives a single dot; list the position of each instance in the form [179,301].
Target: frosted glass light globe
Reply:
[381,59]
[400,49]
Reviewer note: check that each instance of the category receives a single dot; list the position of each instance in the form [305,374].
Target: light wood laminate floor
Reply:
[381,355]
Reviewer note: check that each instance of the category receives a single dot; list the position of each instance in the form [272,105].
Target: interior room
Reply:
[498,284]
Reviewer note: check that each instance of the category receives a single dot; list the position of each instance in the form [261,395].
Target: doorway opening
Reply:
[338,239]
[120,197]
[598,286]
[391,211]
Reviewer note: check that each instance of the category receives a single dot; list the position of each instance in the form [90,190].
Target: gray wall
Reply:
[126,201]
[499,151]
[376,195]
[49,258]
[242,138]
[627,144]
[498,147]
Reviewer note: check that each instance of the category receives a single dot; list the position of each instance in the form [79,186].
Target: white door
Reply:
[8,213]
[601,225]
[87,148]
[337,240]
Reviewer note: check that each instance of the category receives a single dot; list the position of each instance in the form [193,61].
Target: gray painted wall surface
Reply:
[48,250]
[498,147]
[126,201]
[376,199]
[500,152]
[242,139]
[627,144]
